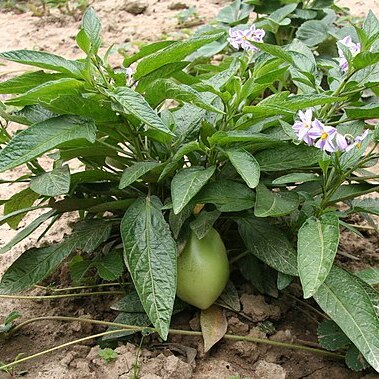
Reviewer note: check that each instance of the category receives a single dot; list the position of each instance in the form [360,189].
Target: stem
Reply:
[176,331]
[362,227]
[305,304]
[16,362]
[67,295]
[80,287]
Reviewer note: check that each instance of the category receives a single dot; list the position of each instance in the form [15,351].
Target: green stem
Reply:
[81,287]
[67,295]
[180,332]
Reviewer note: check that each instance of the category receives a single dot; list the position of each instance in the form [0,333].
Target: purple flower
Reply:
[357,141]
[325,135]
[342,142]
[303,126]
[354,48]
[243,38]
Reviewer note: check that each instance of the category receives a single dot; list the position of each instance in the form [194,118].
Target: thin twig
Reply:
[63,296]
[180,332]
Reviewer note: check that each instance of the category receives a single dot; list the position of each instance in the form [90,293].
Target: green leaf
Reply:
[234,13]
[354,359]
[288,157]
[269,244]
[317,246]
[48,90]
[177,221]
[174,53]
[371,24]
[369,275]
[351,191]
[246,165]
[20,200]
[136,171]
[366,206]
[261,276]
[367,111]
[187,183]
[37,263]
[27,81]
[343,298]
[110,266]
[163,89]
[33,114]
[331,337]
[274,204]
[204,222]
[227,196]
[365,59]
[299,177]
[45,60]
[150,255]
[146,50]
[53,183]
[275,51]
[136,319]
[229,298]
[283,281]
[27,230]
[42,137]
[130,303]
[225,138]
[312,32]
[135,104]
[173,162]
[92,27]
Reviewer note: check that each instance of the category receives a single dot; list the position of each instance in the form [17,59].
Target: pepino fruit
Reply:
[203,270]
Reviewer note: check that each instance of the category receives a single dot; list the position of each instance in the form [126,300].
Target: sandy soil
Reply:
[225,361]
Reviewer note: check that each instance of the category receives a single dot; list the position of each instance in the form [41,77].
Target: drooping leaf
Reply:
[204,222]
[213,325]
[351,191]
[260,275]
[44,136]
[150,255]
[343,298]
[136,171]
[331,337]
[274,204]
[187,183]
[227,196]
[176,221]
[53,183]
[317,245]
[20,200]
[45,60]
[246,165]
[283,281]
[269,244]
[37,263]
[229,298]
[134,103]
[27,230]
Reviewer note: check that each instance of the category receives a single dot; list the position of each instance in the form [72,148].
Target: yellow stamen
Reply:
[324,136]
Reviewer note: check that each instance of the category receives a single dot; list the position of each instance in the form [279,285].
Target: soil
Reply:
[151,20]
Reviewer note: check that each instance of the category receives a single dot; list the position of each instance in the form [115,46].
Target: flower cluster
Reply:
[354,48]
[314,133]
[244,38]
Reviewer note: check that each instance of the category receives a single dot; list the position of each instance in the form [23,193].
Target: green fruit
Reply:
[203,270]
